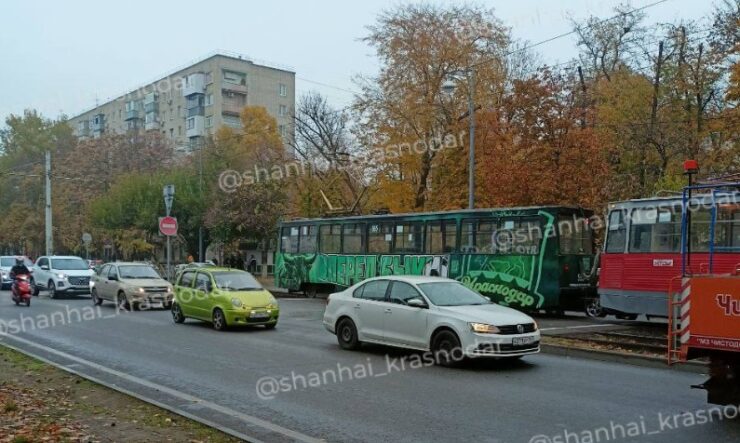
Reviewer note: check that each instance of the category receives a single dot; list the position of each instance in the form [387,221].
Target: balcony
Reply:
[195,126]
[194,84]
[232,108]
[234,87]
[151,122]
[151,107]
[133,114]
[196,110]
[83,128]
[98,123]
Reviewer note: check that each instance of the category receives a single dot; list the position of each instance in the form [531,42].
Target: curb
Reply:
[620,357]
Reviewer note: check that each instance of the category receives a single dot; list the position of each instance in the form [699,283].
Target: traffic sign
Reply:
[168,226]
[86,238]
[169,196]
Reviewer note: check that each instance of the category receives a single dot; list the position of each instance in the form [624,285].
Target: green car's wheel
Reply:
[219,320]
[177,314]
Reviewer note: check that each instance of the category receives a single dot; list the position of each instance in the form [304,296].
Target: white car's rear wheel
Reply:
[347,334]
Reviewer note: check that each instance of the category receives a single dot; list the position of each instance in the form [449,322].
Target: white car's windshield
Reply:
[7,262]
[236,281]
[452,294]
[70,264]
[140,271]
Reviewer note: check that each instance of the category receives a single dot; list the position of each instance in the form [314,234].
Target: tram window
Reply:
[488,239]
[380,238]
[467,237]
[353,238]
[330,238]
[655,230]
[435,238]
[528,237]
[617,235]
[308,239]
[575,235]
[700,230]
[289,240]
[450,234]
[727,236]
[408,238]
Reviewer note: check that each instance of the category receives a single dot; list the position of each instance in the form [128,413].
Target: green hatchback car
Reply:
[225,297]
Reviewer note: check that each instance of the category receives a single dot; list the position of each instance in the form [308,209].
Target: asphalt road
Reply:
[325,393]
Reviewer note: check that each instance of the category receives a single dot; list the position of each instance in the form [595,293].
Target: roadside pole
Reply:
[47,211]
[169,196]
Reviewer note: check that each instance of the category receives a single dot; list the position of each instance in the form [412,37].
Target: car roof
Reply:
[129,263]
[414,279]
[218,269]
[61,256]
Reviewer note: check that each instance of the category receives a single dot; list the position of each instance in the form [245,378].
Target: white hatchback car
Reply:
[429,314]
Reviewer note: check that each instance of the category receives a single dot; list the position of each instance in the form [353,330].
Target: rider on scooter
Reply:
[19,268]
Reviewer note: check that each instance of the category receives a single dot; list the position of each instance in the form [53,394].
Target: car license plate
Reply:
[520,341]
[259,316]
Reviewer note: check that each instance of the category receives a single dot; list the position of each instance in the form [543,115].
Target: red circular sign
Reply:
[168,226]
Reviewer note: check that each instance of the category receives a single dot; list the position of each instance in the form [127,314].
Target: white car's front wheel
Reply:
[446,348]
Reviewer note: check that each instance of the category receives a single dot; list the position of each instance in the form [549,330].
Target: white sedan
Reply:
[429,314]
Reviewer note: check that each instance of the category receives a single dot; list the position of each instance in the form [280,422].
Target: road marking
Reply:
[190,399]
[577,327]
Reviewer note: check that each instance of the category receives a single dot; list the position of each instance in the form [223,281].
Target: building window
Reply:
[281,130]
[283,90]
[179,112]
[172,132]
[236,78]
[232,121]
[209,100]
[282,111]
[209,121]
[209,77]
[164,115]
[179,130]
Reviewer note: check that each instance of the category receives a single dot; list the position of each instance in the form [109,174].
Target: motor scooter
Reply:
[20,291]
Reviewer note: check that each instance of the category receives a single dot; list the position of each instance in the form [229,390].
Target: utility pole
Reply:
[471,116]
[201,257]
[49,237]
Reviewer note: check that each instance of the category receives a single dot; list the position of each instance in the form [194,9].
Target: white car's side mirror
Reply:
[416,303]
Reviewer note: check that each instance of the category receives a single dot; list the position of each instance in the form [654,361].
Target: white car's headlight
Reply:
[61,276]
[235,302]
[169,288]
[482,328]
[536,326]
[141,290]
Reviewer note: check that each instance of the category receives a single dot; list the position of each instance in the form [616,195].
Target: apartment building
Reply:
[194,101]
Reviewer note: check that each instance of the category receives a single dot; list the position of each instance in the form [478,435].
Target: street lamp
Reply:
[448,87]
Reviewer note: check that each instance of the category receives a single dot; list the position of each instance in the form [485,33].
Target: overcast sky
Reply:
[60,56]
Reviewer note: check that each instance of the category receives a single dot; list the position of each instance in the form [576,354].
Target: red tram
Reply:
[642,249]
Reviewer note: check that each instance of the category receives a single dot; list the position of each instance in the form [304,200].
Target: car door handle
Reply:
[357,306]
[388,311]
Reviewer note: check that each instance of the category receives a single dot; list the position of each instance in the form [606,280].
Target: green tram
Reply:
[529,258]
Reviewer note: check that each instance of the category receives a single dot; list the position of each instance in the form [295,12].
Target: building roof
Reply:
[179,69]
